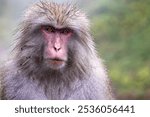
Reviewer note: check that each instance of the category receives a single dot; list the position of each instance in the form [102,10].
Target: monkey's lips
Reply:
[56,62]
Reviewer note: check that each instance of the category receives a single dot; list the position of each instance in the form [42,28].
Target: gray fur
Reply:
[28,77]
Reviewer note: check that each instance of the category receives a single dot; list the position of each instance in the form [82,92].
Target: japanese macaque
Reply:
[55,58]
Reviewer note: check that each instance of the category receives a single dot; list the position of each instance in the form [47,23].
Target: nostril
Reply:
[57,48]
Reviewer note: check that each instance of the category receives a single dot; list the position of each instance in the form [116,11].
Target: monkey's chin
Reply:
[55,64]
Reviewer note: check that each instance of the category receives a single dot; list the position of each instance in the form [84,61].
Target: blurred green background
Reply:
[121,29]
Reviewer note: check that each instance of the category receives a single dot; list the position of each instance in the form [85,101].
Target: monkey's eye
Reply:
[65,31]
[49,29]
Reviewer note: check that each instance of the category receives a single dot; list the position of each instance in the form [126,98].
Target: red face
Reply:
[56,43]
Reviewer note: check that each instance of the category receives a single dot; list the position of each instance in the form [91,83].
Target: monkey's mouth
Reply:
[56,61]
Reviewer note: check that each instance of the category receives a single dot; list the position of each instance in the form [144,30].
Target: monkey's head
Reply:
[54,36]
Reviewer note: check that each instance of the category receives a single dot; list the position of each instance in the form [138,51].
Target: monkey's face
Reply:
[53,37]
[56,42]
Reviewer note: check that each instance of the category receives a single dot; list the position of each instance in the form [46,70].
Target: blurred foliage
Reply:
[122,32]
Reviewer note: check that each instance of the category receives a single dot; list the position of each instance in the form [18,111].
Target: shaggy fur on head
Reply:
[30,44]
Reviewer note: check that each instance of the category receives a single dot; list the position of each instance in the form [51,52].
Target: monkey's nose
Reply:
[57,46]
[57,49]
